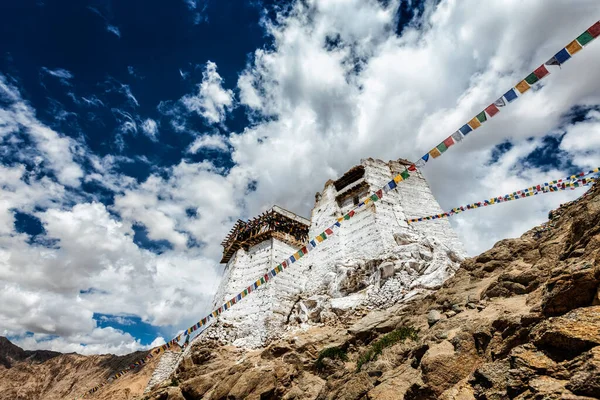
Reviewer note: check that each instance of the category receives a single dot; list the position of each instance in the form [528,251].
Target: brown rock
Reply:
[586,380]
[572,333]
[571,290]
[195,388]
[442,366]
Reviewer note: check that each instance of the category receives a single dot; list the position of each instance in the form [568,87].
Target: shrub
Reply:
[399,335]
[332,353]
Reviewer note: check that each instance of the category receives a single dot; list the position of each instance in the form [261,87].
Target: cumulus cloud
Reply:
[212,101]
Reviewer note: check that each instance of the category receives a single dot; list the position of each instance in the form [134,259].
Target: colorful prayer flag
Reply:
[412,168]
[392,184]
[474,123]
[425,157]
[379,193]
[329,231]
[562,56]
[442,147]
[522,86]
[541,72]
[449,142]
[510,96]
[465,129]
[481,117]
[374,197]
[435,153]
[552,61]
[531,78]
[585,38]
[594,30]
[404,174]
[457,136]
[492,110]
[573,47]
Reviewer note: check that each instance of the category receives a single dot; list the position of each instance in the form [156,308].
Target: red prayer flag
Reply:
[595,29]
[351,213]
[412,168]
[329,231]
[492,110]
[541,72]
[379,193]
[449,141]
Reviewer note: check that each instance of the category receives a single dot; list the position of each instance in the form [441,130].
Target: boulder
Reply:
[585,380]
[572,333]
[576,288]
[433,317]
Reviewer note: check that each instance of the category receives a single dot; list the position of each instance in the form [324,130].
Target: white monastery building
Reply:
[375,259]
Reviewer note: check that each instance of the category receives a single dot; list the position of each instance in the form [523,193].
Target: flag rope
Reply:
[572,182]
[558,59]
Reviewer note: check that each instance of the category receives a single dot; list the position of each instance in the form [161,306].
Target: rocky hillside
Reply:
[520,321]
[47,375]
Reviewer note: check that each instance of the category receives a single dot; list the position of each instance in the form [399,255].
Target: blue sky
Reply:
[133,134]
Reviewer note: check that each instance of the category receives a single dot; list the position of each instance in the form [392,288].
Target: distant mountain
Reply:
[10,353]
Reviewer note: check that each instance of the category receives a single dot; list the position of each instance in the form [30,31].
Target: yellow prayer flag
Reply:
[340,219]
[398,179]
[474,123]
[319,238]
[435,153]
[367,201]
[573,47]
[523,86]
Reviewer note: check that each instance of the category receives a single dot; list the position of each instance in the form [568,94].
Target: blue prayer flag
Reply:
[465,129]
[511,95]
[562,56]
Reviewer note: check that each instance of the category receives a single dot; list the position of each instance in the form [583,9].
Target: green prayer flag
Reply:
[481,117]
[347,217]
[323,235]
[245,292]
[442,147]
[262,280]
[300,253]
[531,78]
[404,174]
[374,197]
[585,38]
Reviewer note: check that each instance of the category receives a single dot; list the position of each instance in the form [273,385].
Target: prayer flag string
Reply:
[572,182]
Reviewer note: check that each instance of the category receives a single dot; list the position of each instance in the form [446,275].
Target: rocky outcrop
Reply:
[520,321]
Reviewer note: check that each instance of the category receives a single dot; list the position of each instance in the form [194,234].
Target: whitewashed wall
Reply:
[374,259]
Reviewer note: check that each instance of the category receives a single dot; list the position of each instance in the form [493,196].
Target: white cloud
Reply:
[150,128]
[58,151]
[211,142]
[212,101]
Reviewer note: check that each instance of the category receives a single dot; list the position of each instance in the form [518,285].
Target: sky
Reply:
[134,134]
